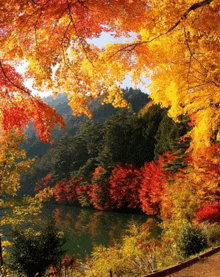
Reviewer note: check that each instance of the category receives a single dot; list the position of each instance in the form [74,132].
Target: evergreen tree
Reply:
[168,138]
[70,155]
[33,251]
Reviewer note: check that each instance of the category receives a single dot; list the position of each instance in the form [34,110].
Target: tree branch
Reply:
[183,17]
[77,33]
[11,82]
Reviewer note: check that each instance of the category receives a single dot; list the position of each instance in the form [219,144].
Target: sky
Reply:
[101,41]
[105,38]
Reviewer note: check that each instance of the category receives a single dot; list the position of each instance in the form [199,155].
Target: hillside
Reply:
[34,147]
[45,152]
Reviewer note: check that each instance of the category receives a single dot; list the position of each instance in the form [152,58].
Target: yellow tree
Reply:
[13,163]
[10,170]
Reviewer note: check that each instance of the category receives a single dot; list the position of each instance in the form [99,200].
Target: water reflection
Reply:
[86,228]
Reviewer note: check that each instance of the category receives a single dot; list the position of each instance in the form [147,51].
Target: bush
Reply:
[135,255]
[33,251]
[212,231]
[192,241]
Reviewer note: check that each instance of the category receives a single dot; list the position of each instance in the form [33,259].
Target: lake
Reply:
[86,227]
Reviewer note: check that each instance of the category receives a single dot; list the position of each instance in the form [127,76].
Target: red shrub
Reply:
[124,186]
[43,183]
[152,187]
[65,190]
[209,212]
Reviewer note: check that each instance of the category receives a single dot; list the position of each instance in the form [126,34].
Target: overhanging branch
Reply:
[132,46]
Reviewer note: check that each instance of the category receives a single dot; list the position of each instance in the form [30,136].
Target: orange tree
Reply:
[42,35]
[176,44]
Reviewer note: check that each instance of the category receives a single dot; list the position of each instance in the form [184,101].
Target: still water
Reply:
[86,227]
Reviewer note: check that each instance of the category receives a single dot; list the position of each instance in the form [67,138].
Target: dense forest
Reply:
[71,141]
[106,155]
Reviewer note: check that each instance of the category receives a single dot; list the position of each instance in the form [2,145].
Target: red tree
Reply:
[124,186]
[209,212]
[65,190]
[151,189]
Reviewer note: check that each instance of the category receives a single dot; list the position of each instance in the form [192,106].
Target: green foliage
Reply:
[168,135]
[91,136]
[152,120]
[191,241]
[117,132]
[212,231]
[129,138]
[70,154]
[136,98]
[34,250]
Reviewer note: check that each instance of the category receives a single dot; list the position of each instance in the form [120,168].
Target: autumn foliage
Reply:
[175,44]
[128,186]
[124,184]
[151,190]
[210,212]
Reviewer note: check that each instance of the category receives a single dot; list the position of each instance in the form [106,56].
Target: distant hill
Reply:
[43,151]
[34,147]
[135,97]
[60,104]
